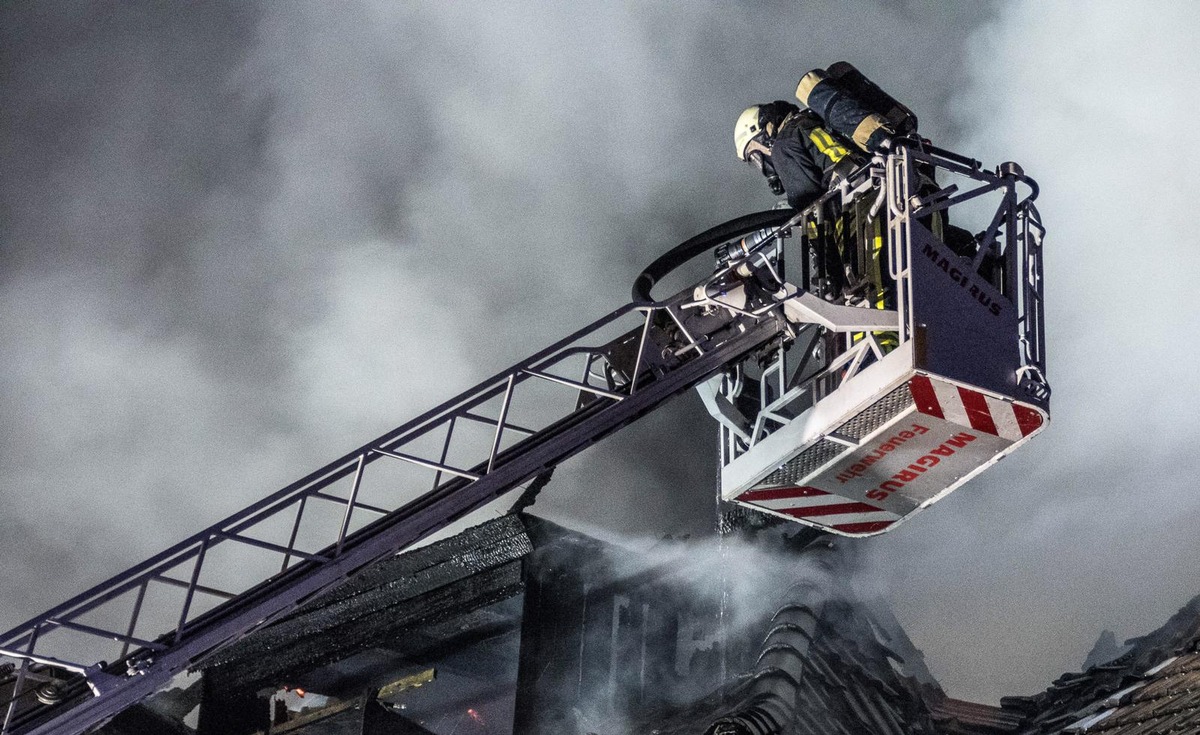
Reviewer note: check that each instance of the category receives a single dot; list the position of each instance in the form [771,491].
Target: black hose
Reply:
[704,242]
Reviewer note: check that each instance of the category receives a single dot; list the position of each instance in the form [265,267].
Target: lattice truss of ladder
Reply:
[160,617]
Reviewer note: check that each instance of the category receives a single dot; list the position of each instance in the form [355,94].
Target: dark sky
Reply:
[237,240]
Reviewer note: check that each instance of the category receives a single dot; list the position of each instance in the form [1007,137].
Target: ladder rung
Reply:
[102,633]
[576,384]
[271,547]
[343,501]
[430,464]
[199,588]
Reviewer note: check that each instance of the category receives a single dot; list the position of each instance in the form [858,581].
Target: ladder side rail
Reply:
[238,524]
[376,450]
[409,524]
[305,485]
[156,568]
[222,532]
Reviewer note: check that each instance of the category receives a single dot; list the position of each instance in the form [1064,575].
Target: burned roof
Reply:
[1152,688]
[588,637]
[385,603]
[1166,700]
[821,670]
[959,717]
[806,656]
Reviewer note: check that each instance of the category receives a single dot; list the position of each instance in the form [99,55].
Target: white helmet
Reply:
[760,122]
[746,129]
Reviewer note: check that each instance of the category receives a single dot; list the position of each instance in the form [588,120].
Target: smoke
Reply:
[678,621]
[237,240]
[1010,580]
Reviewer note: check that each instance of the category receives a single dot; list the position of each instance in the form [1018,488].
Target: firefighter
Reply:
[796,150]
[791,148]
[800,157]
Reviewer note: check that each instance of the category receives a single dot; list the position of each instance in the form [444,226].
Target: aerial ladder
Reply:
[860,361]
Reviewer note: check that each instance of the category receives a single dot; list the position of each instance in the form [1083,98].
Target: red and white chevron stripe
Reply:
[967,407]
[834,511]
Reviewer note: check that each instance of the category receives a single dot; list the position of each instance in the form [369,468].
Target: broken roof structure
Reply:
[665,651]
[520,625]
[1152,688]
[823,667]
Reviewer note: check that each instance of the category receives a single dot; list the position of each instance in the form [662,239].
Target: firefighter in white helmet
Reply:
[795,148]
[791,148]
[801,153]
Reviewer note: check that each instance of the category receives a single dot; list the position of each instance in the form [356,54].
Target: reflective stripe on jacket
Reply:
[804,154]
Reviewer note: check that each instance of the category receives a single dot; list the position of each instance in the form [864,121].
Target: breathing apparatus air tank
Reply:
[854,107]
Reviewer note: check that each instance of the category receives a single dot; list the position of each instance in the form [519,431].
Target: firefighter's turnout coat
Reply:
[805,155]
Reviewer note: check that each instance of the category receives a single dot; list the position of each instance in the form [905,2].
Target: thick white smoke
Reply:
[238,240]
[1009,582]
